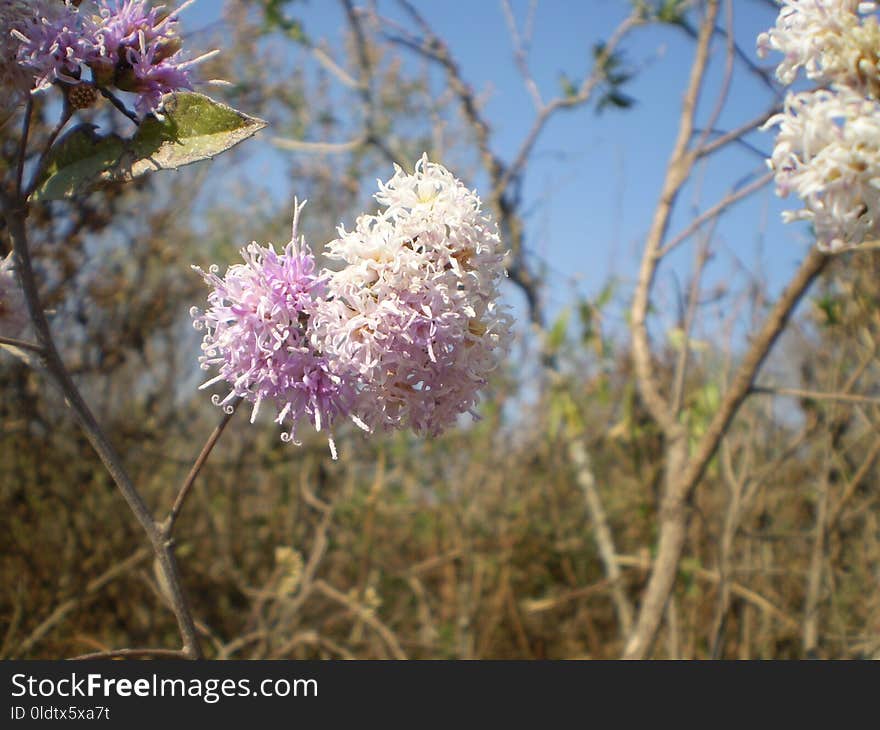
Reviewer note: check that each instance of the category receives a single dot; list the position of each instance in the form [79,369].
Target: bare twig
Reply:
[520,49]
[320,148]
[711,213]
[816,395]
[810,637]
[117,102]
[680,165]
[683,470]
[21,344]
[756,599]
[673,510]
[681,366]
[66,114]
[60,612]
[22,152]
[364,615]
[133,654]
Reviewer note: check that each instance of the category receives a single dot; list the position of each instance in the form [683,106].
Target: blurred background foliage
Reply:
[476,544]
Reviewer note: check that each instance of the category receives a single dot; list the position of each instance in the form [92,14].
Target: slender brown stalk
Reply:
[15,213]
[168,525]
[66,114]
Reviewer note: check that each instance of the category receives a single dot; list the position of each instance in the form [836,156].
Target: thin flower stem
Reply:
[15,212]
[115,101]
[168,525]
[66,114]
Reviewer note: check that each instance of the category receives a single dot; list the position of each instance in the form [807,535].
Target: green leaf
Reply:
[193,128]
[671,11]
[275,18]
[604,296]
[79,157]
[556,335]
[569,90]
[615,99]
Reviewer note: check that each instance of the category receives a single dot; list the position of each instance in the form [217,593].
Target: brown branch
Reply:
[22,152]
[816,395]
[810,636]
[502,175]
[713,212]
[854,484]
[680,165]
[683,471]
[586,479]
[756,599]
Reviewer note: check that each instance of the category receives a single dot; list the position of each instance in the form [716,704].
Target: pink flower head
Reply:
[138,49]
[259,334]
[52,42]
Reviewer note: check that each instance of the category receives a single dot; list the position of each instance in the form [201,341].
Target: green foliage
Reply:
[672,11]
[831,308]
[617,74]
[78,159]
[275,18]
[590,315]
[193,128]
[558,332]
[569,90]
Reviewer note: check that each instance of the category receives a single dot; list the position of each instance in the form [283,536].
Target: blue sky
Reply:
[593,181]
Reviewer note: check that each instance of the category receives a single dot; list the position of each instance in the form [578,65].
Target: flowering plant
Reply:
[83,49]
[403,335]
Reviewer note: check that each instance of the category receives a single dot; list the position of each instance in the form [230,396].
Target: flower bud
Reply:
[82,96]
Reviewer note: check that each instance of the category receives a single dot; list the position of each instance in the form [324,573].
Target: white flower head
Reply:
[834,41]
[828,153]
[416,311]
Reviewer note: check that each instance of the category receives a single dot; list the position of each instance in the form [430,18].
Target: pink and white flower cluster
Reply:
[403,335]
[827,149]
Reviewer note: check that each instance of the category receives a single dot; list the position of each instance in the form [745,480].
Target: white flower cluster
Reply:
[832,40]
[827,149]
[416,312]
